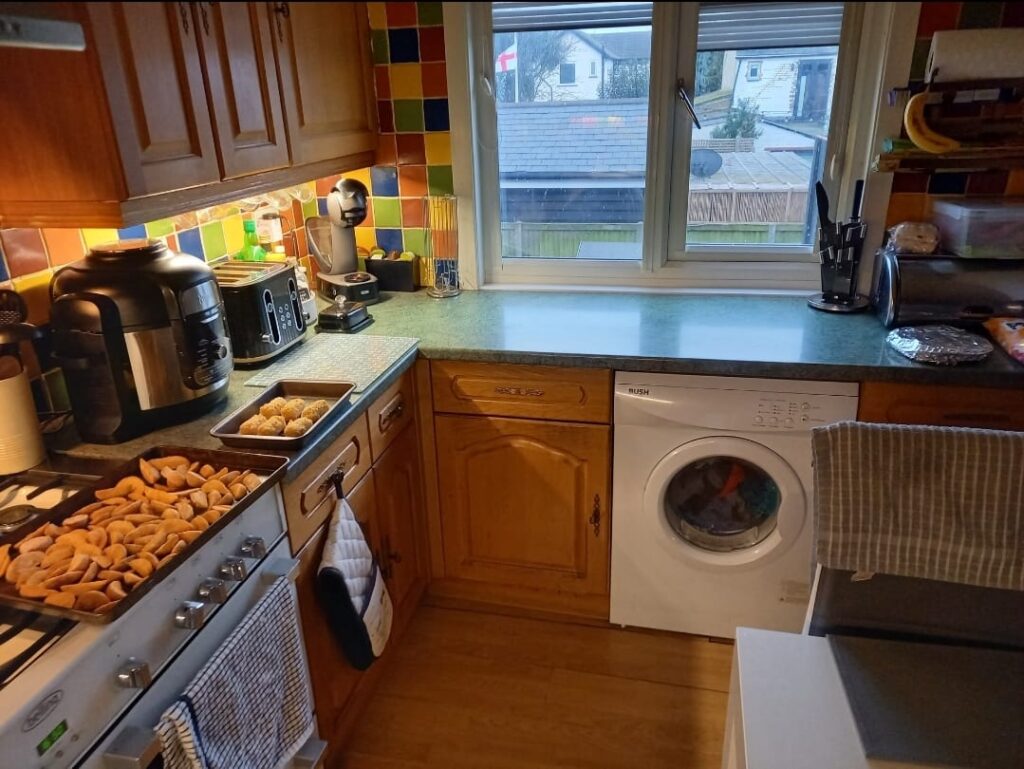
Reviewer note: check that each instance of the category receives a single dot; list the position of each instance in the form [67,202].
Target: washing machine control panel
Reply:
[790,412]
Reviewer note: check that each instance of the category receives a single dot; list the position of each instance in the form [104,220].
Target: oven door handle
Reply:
[138,748]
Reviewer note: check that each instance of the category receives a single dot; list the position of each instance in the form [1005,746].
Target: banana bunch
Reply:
[920,132]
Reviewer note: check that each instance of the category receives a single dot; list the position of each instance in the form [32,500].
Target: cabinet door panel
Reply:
[244,92]
[151,66]
[518,502]
[399,502]
[323,59]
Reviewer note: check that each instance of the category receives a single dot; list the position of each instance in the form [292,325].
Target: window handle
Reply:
[685,98]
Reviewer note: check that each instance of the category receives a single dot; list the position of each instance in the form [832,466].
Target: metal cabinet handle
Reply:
[595,516]
[183,10]
[391,413]
[281,11]
[685,98]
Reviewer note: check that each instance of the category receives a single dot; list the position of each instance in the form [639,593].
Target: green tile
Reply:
[212,235]
[160,228]
[439,180]
[379,45]
[430,14]
[58,390]
[408,115]
[416,241]
[387,212]
[919,60]
[309,208]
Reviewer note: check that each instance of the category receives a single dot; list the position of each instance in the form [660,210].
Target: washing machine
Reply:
[712,516]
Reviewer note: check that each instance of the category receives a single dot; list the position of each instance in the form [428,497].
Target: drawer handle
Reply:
[283,12]
[529,392]
[595,516]
[391,413]
[322,486]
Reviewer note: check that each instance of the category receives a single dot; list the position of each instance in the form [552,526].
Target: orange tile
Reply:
[412,181]
[412,212]
[406,82]
[63,245]
[387,154]
[1015,184]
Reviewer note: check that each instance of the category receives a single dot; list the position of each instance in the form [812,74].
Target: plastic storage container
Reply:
[982,229]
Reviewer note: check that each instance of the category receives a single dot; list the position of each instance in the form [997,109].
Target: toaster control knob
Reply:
[233,570]
[213,591]
[134,674]
[191,615]
[253,547]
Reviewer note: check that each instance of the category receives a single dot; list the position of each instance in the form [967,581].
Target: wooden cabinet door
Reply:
[399,503]
[149,57]
[242,80]
[333,678]
[525,503]
[323,58]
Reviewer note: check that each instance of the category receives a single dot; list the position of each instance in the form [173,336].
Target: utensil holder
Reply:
[441,258]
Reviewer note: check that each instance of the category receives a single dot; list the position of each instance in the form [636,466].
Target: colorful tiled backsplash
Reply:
[913,192]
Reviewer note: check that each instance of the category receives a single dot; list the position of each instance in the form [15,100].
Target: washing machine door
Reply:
[725,502]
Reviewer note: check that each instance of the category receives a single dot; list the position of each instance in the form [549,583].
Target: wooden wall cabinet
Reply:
[177,106]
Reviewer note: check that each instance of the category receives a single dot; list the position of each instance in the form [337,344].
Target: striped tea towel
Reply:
[250,705]
[942,503]
[351,590]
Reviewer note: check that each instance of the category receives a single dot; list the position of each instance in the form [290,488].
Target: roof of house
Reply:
[621,45]
[608,139]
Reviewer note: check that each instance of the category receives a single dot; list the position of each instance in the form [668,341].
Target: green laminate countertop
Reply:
[714,334]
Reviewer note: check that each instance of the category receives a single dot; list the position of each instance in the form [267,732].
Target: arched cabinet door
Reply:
[524,503]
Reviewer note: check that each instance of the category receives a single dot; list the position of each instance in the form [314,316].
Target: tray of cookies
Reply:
[95,555]
[285,416]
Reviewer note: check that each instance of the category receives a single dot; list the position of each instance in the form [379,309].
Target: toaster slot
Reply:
[275,329]
[293,294]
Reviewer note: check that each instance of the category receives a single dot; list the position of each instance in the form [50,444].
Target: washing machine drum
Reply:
[726,495]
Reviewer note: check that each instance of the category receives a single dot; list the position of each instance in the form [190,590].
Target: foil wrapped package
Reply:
[942,345]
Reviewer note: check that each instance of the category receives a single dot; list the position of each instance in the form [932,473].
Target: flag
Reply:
[507,59]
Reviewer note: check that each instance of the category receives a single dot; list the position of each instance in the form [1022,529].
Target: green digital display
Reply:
[51,739]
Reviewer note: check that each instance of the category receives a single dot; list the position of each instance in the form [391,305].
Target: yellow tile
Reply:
[35,290]
[362,175]
[234,235]
[406,82]
[439,148]
[378,15]
[96,237]
[366,237]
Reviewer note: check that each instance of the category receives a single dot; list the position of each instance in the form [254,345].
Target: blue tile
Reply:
[321,206]
[190,243]
[435,114]
[404,45]
[138,231]
[389,240]
[4,275]
[384,181]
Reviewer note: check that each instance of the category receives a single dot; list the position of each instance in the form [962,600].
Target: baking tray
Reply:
[271,468]
[339,392]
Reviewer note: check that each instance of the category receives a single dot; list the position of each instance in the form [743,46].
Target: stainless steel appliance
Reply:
[89,695]
[947,290]
[263,308]
[332,242]
[140,334]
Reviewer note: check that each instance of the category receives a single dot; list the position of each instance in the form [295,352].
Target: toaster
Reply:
[915,289]
[263,308]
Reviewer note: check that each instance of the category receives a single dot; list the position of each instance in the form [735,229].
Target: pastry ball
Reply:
[273,426]
[298,427]
[293,409]
[273,408]
[315,410]
[251,426]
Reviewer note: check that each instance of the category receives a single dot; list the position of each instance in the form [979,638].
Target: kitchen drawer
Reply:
[309,499]
[506,390]
[912,404]
[390,413]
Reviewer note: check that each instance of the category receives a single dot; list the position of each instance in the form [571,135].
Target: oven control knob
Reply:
[213,591]
[191,615]
[233,570]
[134,674]
[253,547]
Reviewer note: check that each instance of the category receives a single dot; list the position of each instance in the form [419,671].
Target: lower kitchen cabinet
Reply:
[524,512]
[950,406]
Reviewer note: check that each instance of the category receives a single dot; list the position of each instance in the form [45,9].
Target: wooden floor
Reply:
[479,691]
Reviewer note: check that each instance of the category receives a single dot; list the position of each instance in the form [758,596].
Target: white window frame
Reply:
[886,28]
[751,63]
[567,64]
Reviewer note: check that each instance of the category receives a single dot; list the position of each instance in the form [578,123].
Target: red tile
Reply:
[294,220]
[435,79]
[63,245]
[24,250]
[432,44]
[909,182]
[936,16]
[401,14]
[412,181]
[368,221]
[385,117]
[1013,14]
[412,212]
[323,186]
[301,247]
[387,154]
[987,183]
[172,242]
[382,81]
[411,150]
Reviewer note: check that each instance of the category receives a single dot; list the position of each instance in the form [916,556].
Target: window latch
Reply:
[685,98]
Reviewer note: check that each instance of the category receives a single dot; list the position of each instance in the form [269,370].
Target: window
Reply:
[585,185]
